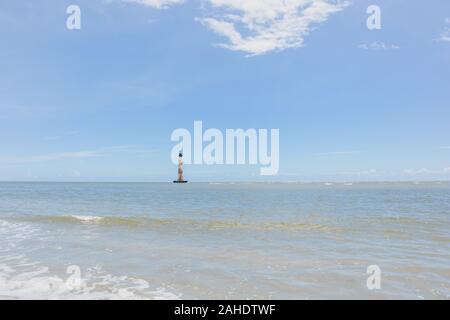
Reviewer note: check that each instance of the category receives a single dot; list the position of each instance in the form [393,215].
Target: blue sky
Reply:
[100,103]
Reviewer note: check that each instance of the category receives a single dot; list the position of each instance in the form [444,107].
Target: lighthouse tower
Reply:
[180,170]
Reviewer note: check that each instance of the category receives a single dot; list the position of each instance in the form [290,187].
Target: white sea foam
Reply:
[95,284]
[88,218]
[22,277]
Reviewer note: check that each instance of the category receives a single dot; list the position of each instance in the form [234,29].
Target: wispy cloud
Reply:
[71,132]
[445,34]
[444,147]
[377,45]
[413,172]
[64,134]
[360,173]
[423,171]
[260,26]
[336,153]
[158,4]
[59,156]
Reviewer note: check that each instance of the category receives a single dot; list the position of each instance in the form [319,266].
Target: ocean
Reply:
[224,240]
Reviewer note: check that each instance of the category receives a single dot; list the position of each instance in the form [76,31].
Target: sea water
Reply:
[224,240]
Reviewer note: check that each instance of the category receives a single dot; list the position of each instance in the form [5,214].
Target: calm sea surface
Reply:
[224,241]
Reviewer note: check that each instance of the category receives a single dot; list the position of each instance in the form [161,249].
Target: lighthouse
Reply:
[180,170]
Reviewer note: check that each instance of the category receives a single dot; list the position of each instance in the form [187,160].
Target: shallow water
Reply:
[224,241]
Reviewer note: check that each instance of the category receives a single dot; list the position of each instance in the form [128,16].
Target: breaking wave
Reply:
[25,278]
[148,222]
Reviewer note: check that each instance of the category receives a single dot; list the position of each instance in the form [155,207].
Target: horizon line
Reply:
[228,181]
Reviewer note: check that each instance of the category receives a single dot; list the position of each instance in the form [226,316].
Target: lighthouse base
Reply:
[180,181]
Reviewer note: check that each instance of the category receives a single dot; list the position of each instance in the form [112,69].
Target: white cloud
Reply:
[413,172]
[74,174]
[445,35]
[377,45]
[159,4]
[260,26]
[422,171]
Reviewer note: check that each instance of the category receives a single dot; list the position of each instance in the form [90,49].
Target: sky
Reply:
[100,103]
